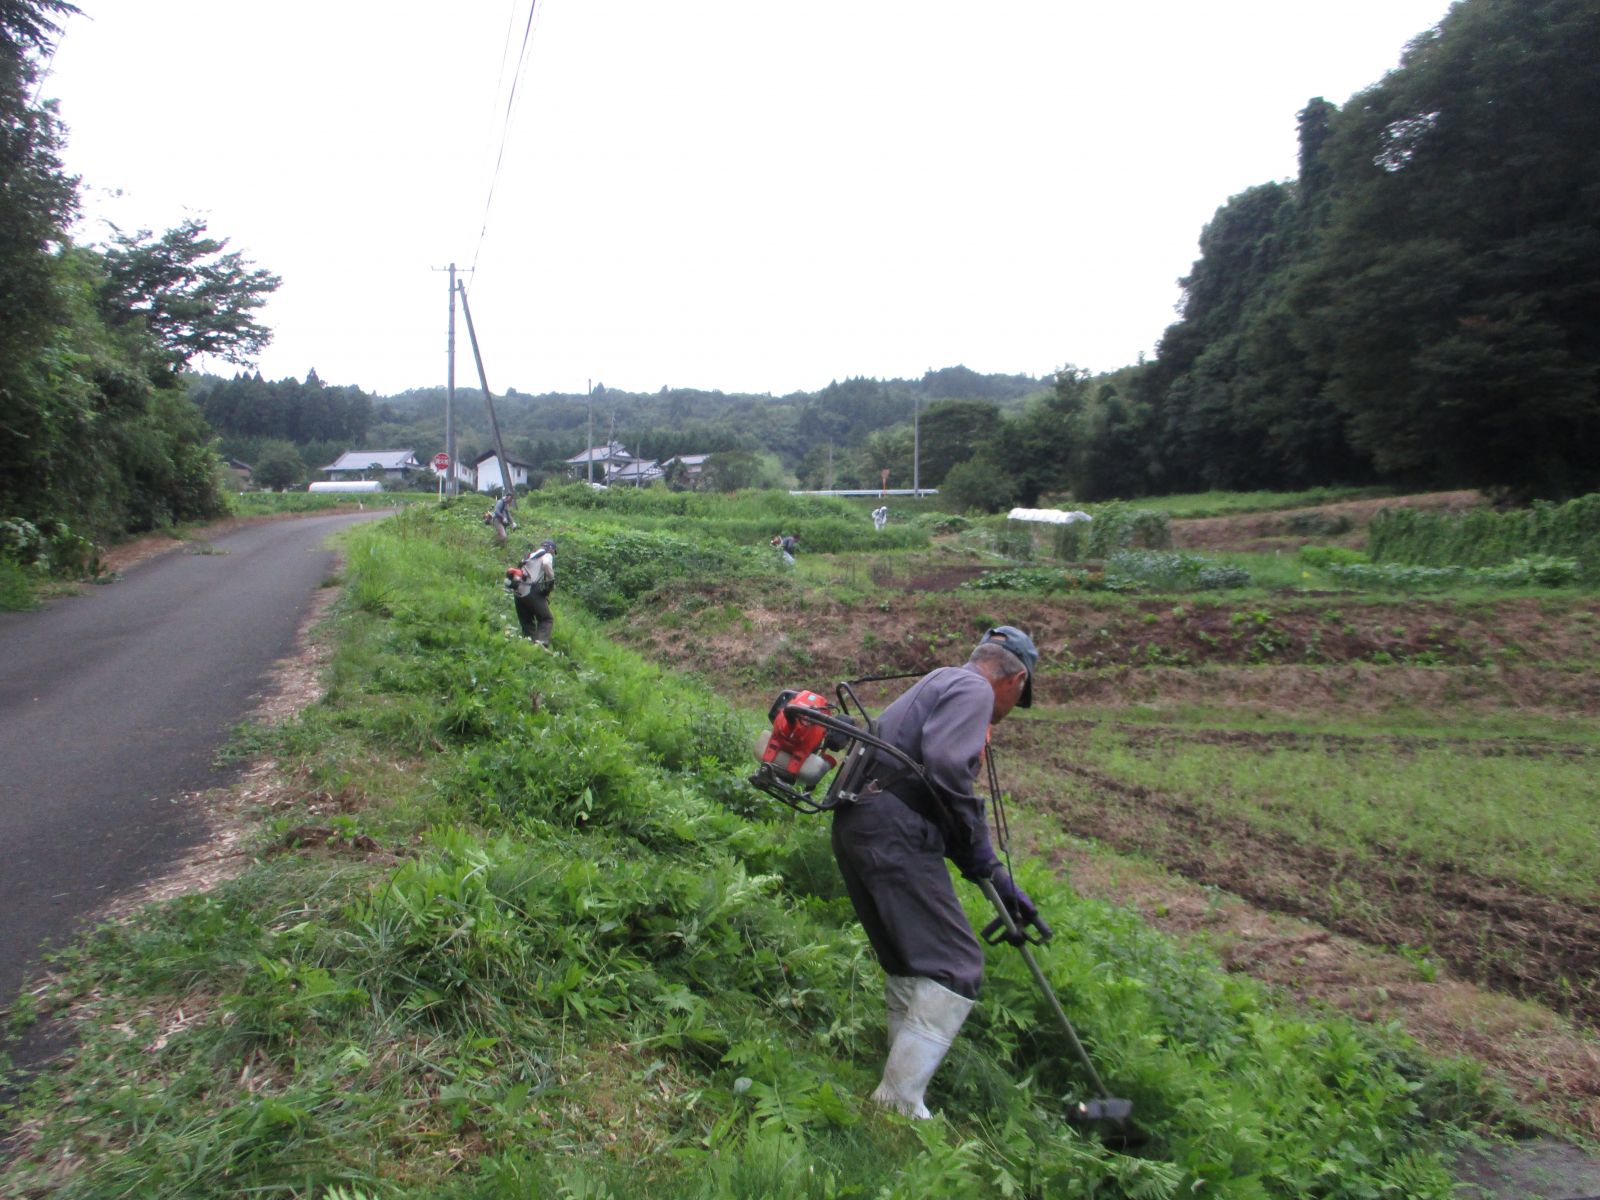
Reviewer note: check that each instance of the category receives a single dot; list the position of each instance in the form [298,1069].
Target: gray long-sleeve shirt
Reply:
[942,721]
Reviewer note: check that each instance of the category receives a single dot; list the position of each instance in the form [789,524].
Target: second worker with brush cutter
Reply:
[892,842]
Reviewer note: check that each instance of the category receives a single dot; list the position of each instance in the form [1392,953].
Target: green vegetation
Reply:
[523,930]
[1484,538]
[1542,571]
[101,438]
[1431,800]
[1124,571]
[1230,504]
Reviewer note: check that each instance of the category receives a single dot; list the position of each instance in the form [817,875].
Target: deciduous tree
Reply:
[194,295]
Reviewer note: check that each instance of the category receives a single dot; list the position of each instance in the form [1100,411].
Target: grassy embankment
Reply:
[518,928]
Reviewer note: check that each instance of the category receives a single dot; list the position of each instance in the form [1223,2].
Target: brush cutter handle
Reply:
[1004,928]
[1035,932]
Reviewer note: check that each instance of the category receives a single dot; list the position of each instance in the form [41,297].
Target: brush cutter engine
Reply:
[810,736]
[794,755]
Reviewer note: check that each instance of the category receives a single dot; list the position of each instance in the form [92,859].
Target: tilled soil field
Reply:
[1490,930]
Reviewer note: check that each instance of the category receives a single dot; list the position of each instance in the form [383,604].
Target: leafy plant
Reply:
[1540,571]
[1483,537]
[1172,571]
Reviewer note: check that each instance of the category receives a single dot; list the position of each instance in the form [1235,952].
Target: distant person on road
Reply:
[530,586]
[500,517]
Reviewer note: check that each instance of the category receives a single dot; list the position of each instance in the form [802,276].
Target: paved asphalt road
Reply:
[112,706]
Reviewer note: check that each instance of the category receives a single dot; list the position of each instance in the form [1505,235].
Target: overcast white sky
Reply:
[744,195]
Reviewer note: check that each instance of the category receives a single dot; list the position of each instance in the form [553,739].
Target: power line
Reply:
[505,129]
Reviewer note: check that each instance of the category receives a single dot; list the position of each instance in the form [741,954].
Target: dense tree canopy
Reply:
[1455,300]
[1423,303]
[37,198]
[247,406]
[101,436]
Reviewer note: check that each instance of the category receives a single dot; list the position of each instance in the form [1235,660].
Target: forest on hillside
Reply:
[1419,306]
[842,436]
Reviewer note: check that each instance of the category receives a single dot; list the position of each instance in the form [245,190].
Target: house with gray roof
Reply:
[605,459]
[391,466]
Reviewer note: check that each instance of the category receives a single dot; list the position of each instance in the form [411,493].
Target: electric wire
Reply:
[505,128]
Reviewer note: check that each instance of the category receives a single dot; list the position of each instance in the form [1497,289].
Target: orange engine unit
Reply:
[792,747]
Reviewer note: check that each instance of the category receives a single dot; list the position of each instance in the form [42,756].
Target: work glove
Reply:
[1017,903]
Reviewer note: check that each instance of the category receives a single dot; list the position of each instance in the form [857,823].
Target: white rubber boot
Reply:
[897,992]
[933,1018]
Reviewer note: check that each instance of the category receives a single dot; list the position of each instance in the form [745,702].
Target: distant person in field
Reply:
[530,586]
[788,544]
[500,517]
[880,516]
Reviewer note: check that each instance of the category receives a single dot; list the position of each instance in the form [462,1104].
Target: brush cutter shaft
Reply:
[1016,938]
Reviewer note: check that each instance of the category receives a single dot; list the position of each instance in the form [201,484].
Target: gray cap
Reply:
[1020,644]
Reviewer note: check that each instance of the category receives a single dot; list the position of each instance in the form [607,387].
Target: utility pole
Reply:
[450,393]
[590,435]
[916,444]
[450,390]
[483,381]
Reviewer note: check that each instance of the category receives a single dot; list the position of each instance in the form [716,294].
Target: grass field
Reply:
[511,923]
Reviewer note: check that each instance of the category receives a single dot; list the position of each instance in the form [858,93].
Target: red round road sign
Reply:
[441,461]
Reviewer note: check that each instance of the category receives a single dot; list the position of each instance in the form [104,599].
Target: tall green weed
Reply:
[1483,537]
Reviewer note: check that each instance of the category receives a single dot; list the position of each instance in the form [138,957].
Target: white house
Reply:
[486,471]
[390,465]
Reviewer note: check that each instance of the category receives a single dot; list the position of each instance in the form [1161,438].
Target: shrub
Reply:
[50,547]
[1536,571]
[1173,572]
[977,486]
[1482,537]
[1028,579]
[1122,527]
